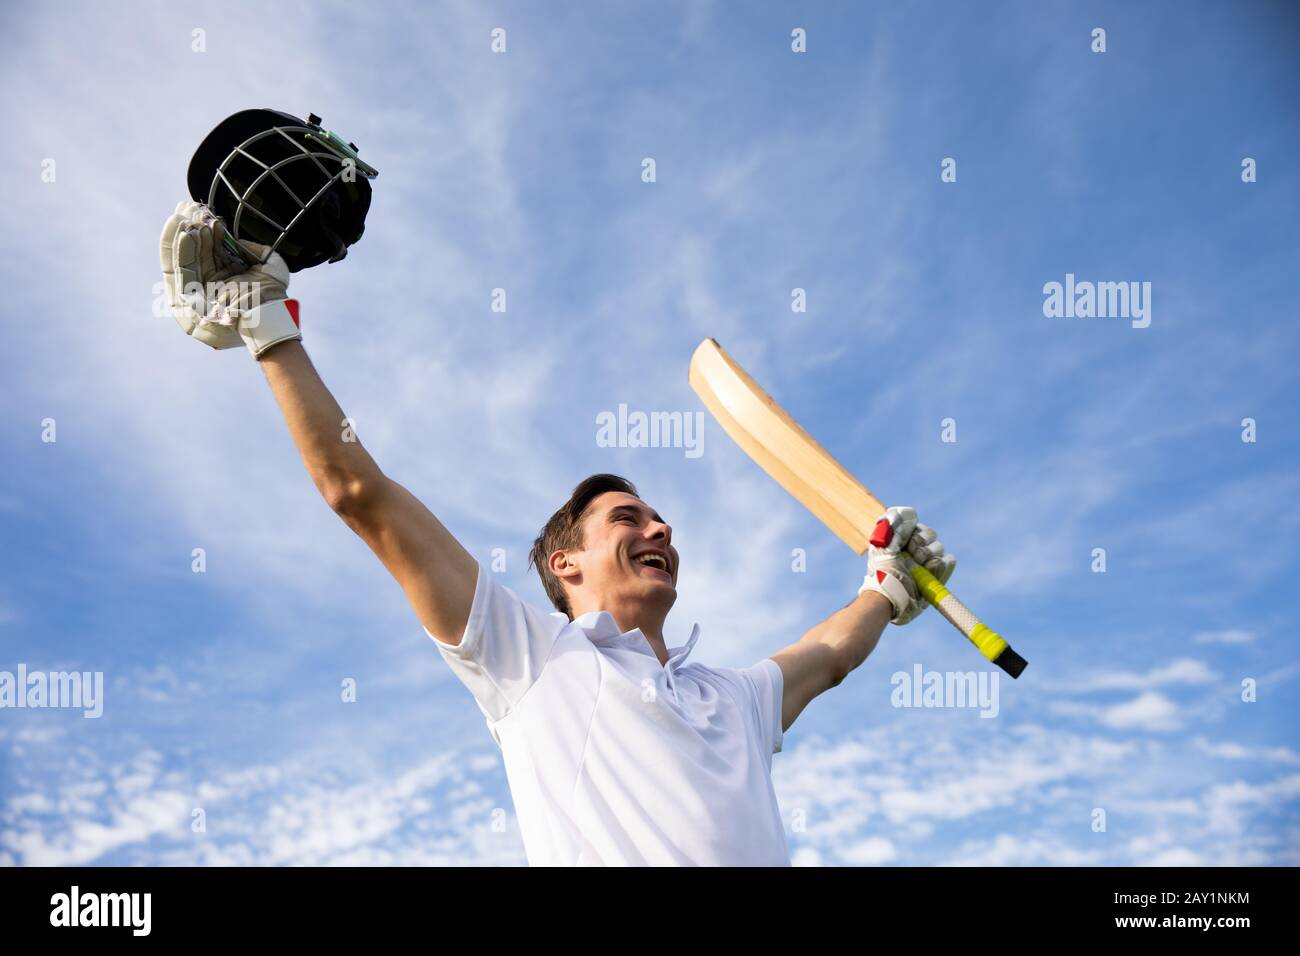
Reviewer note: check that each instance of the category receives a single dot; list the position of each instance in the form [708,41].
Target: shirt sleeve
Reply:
[504,648]
[766,683]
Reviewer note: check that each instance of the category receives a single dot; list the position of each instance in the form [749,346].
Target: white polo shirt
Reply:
[613,758]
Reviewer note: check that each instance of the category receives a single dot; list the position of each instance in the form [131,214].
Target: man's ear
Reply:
[564,566]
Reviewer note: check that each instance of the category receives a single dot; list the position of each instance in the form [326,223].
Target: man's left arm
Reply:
[828,653]
[823,657]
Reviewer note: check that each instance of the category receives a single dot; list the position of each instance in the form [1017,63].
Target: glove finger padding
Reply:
[924,545]
[188,303]
[209,268]
[172,283]
[194,269]
[928,551]
[947,565]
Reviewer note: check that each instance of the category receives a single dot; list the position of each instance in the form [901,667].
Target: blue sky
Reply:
[775,170]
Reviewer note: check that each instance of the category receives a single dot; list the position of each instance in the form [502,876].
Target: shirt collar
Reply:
[601,629]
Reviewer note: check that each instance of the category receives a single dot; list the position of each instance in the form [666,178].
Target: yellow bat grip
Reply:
[987,641]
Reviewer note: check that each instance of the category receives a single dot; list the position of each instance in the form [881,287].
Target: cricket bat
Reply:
[821,484]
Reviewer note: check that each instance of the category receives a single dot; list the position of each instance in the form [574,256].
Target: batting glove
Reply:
[221,292]
[889,566]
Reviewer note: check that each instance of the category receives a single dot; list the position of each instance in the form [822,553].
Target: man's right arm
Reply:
[437,574]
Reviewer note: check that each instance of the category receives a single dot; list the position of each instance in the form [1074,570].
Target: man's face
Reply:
[628,558]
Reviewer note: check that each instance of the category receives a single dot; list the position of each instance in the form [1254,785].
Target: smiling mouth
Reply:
[654,562]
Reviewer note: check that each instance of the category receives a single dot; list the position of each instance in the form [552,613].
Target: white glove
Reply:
[899,542]
[215,295]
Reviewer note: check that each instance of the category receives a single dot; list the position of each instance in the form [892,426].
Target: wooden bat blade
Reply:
[777,443]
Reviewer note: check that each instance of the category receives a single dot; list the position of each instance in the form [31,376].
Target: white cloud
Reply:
[1230,636]
[873,851]
[1176,856]
[1230,750]
[928,791]
[1149,711]
[302,813]
[1229,804]
[1008,850]
[1183,670]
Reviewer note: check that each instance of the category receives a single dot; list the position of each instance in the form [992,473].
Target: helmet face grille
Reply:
[278,189]
[282,186]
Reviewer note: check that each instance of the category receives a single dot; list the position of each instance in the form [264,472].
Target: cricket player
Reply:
[619,749]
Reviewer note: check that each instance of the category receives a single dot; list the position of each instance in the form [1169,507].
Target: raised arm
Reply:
[221,300]
[437,574]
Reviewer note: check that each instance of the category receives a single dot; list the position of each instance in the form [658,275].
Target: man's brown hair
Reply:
[564,531]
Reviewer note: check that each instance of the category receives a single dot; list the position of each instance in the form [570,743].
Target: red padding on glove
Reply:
[292,306]
[880,537]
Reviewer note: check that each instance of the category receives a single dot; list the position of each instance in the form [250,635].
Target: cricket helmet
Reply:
[284,182]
